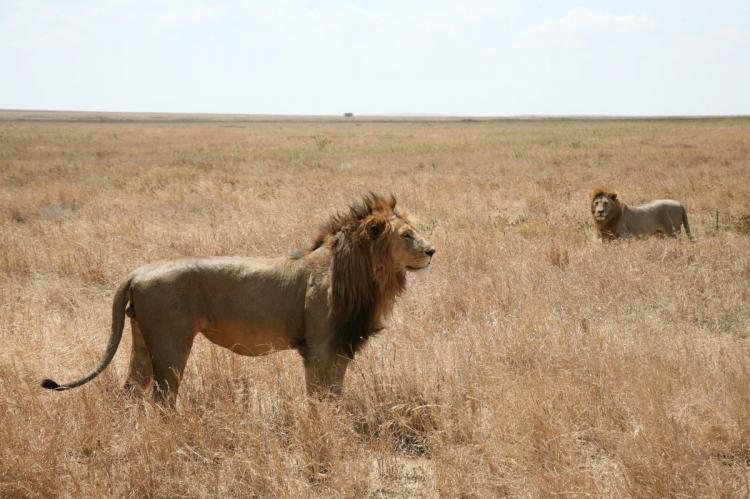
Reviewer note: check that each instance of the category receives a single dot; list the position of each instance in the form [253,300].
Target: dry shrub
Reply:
[557,256]
[743,224]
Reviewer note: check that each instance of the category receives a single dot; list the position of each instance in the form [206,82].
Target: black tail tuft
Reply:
[50,385]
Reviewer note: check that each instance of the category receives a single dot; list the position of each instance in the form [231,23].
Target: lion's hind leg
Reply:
[668,225]
[141,371]
[169,347]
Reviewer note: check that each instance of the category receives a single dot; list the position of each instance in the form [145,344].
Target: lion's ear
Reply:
[613,196]
[375,226]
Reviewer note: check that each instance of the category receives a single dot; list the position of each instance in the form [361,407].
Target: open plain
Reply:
[529,360]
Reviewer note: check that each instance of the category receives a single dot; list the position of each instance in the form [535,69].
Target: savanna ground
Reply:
[528,361]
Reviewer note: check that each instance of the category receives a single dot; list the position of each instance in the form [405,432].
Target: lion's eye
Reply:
[408,235]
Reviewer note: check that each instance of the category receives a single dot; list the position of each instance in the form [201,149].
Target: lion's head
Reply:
[603,204]
[606,210]
[373,247]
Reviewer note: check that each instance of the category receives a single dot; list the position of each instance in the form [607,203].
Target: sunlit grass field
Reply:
[529,360]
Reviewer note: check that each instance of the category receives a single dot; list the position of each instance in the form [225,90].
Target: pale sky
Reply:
[456,57]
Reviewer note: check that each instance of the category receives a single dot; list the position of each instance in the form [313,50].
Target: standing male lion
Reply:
[324,302]
[616,220]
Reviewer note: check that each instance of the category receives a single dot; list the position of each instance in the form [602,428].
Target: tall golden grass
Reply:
[528,361]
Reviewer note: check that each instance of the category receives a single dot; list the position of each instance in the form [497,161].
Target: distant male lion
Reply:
[616,220]
[325,301]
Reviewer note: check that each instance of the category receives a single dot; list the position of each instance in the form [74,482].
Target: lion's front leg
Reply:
[324,366]
[324,374]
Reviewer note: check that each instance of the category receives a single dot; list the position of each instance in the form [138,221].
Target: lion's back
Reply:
[219,268]
[660,215]
[661,204]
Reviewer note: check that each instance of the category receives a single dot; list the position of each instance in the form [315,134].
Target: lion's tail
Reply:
[118,323]
[685,223]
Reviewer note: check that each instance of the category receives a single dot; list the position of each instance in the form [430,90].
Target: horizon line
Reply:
[354,116]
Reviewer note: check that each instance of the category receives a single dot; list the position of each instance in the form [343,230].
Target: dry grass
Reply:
[529,361]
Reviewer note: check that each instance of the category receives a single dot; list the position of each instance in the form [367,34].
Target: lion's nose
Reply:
[430,252]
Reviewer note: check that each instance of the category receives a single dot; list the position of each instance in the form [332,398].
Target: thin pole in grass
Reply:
[716,227]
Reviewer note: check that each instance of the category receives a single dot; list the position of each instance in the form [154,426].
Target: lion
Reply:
[616,220]
[325,301]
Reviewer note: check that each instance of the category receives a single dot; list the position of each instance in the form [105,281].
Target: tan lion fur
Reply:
[616,220]
[325,302]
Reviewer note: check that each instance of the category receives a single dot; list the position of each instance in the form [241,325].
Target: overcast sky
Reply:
[456,57]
